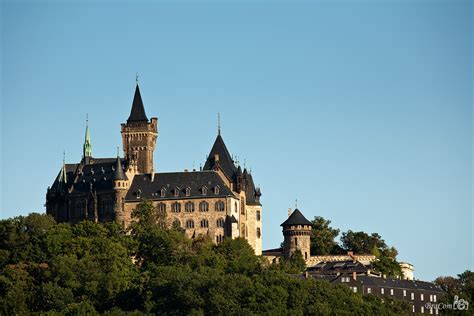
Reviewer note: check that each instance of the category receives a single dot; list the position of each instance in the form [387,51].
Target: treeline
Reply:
[323,242]
[91,268]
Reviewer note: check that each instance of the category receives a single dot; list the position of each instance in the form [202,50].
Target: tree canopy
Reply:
[92,268]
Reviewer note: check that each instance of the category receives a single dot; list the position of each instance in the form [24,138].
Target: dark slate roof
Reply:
[397,283]
[334,267]
[119,174]
[138,110]
[96,176]
[296,218]
[70,169]
[253,194]
[226,162]
[170,181]
[273,252]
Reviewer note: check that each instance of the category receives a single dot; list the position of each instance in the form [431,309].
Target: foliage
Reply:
[323,238]
[93,268]
[461,287]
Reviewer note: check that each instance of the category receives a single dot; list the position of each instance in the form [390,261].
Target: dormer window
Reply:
[188,191]
[216,190]
[204,190]
[176,192]
[163,192]
[138,193]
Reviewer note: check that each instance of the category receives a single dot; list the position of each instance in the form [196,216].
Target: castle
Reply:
[220,200]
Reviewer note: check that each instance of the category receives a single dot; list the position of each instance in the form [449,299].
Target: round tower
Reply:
[297,234]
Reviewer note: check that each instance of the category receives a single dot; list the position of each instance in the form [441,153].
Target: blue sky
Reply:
[362,110]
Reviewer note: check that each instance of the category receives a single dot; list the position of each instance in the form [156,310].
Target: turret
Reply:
[297,235]
[139,136]
[87,147]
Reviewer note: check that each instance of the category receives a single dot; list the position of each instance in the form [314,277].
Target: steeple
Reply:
[61,181]
[137,114]
[119,174]
[87,148]
[219,154]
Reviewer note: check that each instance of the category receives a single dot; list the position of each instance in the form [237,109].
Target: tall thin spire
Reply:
[218,123]
[63,175]
[87,148]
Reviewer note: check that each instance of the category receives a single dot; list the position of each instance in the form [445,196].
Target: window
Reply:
[189,223]
[188,191]
[176,223]
[176,207]
[431,298]
[431,310]
[204,190]
[257,215]
[138,193]
[163,192]
[204,206]
[369,290]
[404,293]
[162,207]
[219,238]
[434,298]
[242,206]
[259,233]
[391,291]
[220,206]
[176,192]
[235,207]
[220,222]
[412,296]
[296,241]
[413,309]
[204,223]
[216,190]
[382,291]
[422,296]
[422,309]
[354,289]
[189,207]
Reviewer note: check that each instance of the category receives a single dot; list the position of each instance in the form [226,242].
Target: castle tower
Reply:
[139,136]
[121,186]
[297,234]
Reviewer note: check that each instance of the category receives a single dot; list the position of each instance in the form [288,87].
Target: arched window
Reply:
[162,207]
[176,207]
[216,189]
[220,222]
[189,207]
[163,192]
[259,232]
[220,206]
[176,192]
[188,191]
[176,223]
[204,206]
[235,207]
[204,190]
[257,215]
[204,223]
[189,223]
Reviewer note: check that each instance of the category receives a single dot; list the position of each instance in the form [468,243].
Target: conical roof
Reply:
[138,110]
[296,218]
[226,162]
[118,173]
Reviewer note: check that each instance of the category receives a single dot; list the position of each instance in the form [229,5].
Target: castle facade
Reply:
[220,200]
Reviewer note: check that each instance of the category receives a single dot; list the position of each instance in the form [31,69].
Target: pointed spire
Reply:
[87,148]
[63,170]
[226,163]
[138,111]
[118,173]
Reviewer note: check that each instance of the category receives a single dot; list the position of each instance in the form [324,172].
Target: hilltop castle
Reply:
[219,200]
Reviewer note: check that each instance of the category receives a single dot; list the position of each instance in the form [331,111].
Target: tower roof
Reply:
[87,147]
[296,218]
[119,174]
[138,110]
[226,162]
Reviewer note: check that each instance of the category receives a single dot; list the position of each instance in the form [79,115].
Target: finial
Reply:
[64,157]
[245,163]
[218,123]
[296,204]
[87,119]
[194,169]
[118,151]
[136,78]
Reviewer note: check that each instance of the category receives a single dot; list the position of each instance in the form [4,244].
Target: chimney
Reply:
[354,275]
[351,254]
[289,212]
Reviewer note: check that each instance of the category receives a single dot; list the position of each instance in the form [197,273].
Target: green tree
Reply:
[323,239]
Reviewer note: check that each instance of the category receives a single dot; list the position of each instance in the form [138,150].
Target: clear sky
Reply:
[362,110]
